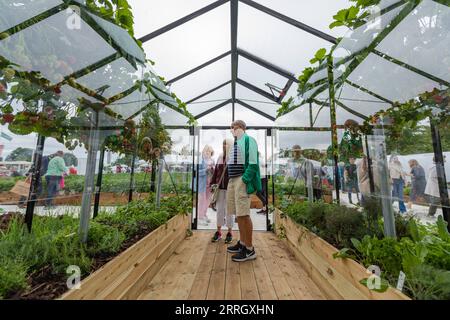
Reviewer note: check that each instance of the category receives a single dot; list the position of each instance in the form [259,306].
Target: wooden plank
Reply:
[329,277]
[279,282]
[299,281]
[186,280]
[139,274]
[263,282]
[110,272]
[348,268]
[216,287]
[344,269]
[232,280]
[249,289]
[146,277]
[200,286]
[165,281]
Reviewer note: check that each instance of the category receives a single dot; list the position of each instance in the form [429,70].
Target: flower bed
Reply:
[33,266]
[314,231]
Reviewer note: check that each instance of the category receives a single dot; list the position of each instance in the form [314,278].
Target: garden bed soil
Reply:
[45,285]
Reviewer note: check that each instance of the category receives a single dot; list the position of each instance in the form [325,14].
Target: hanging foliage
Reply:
[434,105]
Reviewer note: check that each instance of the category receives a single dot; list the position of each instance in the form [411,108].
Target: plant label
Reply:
[401,281]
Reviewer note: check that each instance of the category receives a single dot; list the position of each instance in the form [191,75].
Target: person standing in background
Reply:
[206,171]
[56,170]
[418,182]
[220,180]
[398,181]
[432,190]
[351,179]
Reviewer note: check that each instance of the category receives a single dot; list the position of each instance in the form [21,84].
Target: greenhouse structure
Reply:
[121,121]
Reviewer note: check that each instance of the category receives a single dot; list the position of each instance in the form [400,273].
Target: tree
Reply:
[70,159]
[20,154]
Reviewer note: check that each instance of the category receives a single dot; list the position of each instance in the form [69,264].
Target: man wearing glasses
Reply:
[245,179]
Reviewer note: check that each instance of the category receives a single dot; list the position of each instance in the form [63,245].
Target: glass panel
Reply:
[407,83]
[111,79]
[131,104]
[161,14]
[170,117]
[14,13]
[299,117]
[295,148]
[201,107]
[259,76]
[255,27]
[251,118]
[210,101]
[256,100]
[318,14]
[360,101]
[72,95]
[321,116]
[358,39]
[203,80]
[195,42]
[121,37]
[179,163]
[220,117]
[319,75]
[54,50]
[422,35]
[343,115]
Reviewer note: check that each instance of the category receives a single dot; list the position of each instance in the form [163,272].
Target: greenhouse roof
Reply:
[229,58]
[386,60]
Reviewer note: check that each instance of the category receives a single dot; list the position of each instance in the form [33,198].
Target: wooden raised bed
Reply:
[127,275]
[338,279]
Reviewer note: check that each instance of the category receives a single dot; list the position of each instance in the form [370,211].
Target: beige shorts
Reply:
[238,201]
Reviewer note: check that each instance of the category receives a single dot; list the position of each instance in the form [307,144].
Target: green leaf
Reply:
[442,229]
[357,244]
[414,230]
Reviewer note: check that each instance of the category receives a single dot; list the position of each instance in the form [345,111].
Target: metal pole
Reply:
[131,189]
[273,169]
[85,213]
[370,168]
[196,181]
[153,177]
[266,187]
[383,174]
[98,188]
[160,176]
[440,170]
[334,136]
[192,132]
[35,181]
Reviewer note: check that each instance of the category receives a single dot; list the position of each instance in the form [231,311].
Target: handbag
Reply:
[215,188]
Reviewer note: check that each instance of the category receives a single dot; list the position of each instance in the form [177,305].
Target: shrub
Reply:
[428,283]
[343,223]
[104,239]
[13,276]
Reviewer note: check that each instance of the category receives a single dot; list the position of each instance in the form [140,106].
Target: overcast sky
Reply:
[208,36]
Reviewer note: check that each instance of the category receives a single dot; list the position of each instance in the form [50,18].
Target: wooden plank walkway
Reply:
[200,269]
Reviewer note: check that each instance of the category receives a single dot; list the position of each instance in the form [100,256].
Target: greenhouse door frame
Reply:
[196,135]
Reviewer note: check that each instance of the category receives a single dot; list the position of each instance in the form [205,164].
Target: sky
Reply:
[199,40]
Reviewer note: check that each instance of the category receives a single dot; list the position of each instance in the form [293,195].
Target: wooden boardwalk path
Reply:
[200,269]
